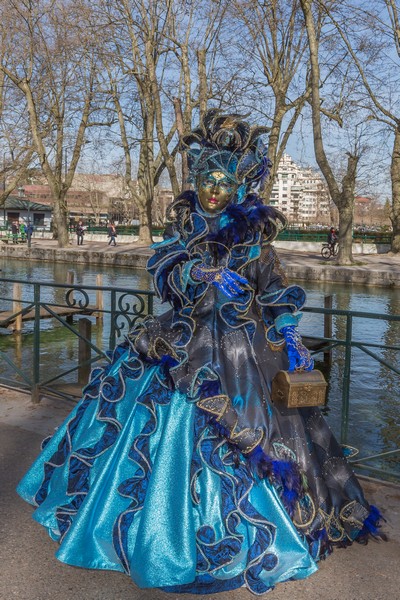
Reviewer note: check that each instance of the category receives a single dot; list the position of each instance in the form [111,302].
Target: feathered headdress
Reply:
[227,143]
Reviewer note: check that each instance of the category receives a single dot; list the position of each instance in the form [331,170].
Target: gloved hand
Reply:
[299,356]
[223,278]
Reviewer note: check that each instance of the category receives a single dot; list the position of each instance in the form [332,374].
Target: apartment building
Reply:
[300,193]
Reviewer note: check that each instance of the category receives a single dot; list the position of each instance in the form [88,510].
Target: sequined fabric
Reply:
[176,468]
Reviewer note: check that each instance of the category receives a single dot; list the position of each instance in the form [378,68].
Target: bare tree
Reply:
[154,52]
[341,193]
[374,51]
[50,58]
[134,36]
[198,40]
[15,140]
[275,67]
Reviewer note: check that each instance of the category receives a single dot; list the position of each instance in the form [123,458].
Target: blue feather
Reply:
[372,524]
[284,474]
[246,220]
[209,388]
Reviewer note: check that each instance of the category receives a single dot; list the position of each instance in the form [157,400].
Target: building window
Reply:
[38,219]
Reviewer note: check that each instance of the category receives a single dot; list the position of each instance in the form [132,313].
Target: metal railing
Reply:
[125,307]
[292,235]
[289,234]
[62,302]
[370,349]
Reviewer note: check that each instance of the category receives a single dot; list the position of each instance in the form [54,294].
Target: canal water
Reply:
[374,424]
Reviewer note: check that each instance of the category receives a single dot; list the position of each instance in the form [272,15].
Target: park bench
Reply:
[9,238]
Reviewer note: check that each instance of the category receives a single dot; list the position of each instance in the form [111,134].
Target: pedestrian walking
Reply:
[15,231]
[22,232]
[29,232]
[80,230]
[112,234]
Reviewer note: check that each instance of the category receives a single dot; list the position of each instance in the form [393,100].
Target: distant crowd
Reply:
[21,232]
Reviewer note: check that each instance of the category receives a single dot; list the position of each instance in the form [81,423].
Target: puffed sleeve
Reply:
[171,267]
[279,303]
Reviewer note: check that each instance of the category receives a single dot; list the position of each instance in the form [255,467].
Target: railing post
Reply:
[17,306]
[328,329]
[112,317]
[150,304]
[346,381]
[35,397]
[18,351]
[84,350]
[99,297]
[70,281]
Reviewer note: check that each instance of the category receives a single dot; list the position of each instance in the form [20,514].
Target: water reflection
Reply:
[387,401]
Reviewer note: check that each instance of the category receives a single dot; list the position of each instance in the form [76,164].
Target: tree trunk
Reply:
[345,205]
[60,220]
[153,100]
[395,178]
[181,131]
[144,197]
[145,233]
[346,235]
[203,87]
[273,145]
[343,198]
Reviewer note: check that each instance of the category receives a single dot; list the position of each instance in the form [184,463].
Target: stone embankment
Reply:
[368,269]
[382,270]
[90,253]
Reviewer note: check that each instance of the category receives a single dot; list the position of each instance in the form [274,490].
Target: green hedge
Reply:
[298,235]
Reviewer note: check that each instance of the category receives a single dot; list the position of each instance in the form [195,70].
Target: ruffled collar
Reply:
[239,223]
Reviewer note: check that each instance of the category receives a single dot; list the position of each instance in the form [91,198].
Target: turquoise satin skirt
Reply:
[136,481]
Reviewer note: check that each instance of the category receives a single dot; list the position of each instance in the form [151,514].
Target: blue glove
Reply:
[299,356]
[222,278]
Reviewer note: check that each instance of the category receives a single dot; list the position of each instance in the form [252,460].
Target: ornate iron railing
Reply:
[63,302]
[123,308]
[348,343]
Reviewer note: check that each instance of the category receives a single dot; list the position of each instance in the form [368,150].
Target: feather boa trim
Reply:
[242,222]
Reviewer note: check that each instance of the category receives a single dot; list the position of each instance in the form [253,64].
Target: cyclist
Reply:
[332,239]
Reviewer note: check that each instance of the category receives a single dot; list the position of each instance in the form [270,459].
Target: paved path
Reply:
[368,269]
[29,570]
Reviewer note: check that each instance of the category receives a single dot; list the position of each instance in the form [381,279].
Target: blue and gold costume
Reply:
[176,467]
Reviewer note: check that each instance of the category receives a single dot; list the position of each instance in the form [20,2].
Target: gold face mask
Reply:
[215,191]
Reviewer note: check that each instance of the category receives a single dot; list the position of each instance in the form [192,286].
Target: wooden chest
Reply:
[299,388]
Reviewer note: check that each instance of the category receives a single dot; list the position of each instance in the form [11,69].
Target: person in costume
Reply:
[176,467]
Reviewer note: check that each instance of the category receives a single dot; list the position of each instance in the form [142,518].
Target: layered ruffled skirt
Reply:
[140,479]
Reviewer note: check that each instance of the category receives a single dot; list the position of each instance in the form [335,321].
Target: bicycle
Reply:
[328,250]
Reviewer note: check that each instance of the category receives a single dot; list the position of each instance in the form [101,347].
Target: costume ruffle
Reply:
[176,467]
[102,488]
[138,479]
